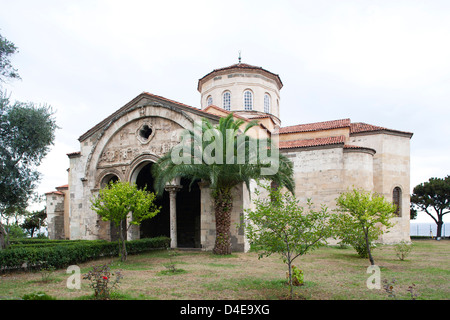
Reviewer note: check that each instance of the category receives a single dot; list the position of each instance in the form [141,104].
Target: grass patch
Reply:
[435,271]
[169,272]
[222,265]
[330,273]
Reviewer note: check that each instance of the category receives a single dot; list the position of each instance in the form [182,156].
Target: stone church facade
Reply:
[329,157]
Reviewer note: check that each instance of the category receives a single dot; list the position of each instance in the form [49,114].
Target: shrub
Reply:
[46,273]
[403,249]
[297,276]
[365,214]
[40,295]
[103,281]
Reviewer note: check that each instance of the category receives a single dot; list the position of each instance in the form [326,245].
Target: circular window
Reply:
[145,133]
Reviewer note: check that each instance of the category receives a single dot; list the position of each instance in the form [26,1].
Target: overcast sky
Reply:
[386,63]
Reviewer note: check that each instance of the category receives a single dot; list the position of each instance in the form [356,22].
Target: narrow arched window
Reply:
[397,200]
[109,178]
[227,100]
[266,103]
[248,100]
[209,101]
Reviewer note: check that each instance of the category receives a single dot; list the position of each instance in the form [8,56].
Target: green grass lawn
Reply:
[331,273]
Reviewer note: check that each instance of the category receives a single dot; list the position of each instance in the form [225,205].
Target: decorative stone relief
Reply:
[149,135]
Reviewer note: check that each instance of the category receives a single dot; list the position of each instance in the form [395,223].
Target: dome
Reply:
[243,88]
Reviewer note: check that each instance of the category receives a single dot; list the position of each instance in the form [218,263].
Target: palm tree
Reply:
[224,157]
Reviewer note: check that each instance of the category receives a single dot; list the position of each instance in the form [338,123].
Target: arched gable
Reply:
[144,129]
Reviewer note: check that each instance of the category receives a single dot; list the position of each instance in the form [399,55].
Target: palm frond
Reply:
[241,160]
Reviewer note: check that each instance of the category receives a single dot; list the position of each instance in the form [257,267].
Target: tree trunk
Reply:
[439,228]
[290,278]
[123,256]
[223,204]
[3,238]
[366,236]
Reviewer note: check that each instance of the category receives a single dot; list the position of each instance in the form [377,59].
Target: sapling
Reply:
[279,224]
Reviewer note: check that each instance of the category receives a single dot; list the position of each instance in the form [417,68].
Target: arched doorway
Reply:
[187,210]
[159,225]
[188,215]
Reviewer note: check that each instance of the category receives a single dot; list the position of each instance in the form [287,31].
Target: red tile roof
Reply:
[172,101]
[325,125]
[363,127]
[55,192]
[243,66]
[212,106]
[312,142]
[359,127]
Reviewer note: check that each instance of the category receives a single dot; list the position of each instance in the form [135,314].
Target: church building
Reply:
[329,157]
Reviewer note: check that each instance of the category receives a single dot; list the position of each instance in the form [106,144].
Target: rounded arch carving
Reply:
[106,176]
[138,164]
[136,113]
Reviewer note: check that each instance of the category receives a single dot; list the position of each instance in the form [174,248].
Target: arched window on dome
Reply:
[397,200]
[248,100]
[227,100]
[209,101]
[266,103]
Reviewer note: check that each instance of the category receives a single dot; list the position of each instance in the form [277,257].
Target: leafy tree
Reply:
[34,221]
[125,205]
[7,48]
[279,224]
[224,157]
[433,197]
[355,237]
[412,211]
[26,133]
[363,214]
[15,231]
[9,224]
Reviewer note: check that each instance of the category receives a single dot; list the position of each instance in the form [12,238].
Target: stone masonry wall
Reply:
[391,169]
[55,215]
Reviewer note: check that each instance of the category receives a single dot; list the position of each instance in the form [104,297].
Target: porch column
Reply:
[173,189]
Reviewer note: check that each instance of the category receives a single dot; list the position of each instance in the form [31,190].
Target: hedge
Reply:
[68,253]
[50,243]
[43,242]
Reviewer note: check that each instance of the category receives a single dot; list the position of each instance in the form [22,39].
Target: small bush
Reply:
[47,273]
[103,281]
[403,249]
[171,272]
[40,295]
[297,276]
